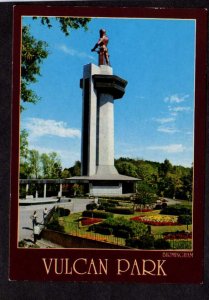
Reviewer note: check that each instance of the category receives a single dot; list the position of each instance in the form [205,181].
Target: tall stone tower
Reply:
[100,89]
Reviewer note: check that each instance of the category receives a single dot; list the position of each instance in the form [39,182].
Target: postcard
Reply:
[108,143]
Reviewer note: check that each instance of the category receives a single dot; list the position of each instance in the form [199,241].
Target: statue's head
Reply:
[102,32]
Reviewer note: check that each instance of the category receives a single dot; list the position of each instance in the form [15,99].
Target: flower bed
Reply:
[177,235]
[157,220]
[90,221]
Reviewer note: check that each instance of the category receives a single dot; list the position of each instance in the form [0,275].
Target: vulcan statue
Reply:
[102,48]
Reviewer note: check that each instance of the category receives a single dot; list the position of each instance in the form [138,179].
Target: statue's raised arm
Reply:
[102,48]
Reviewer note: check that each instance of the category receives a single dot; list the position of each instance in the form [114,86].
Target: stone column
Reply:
[105,135]
[60,191]
[27,188]
[44,190]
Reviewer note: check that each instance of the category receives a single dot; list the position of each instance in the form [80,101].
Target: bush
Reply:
[103,230]
[96,214]
[185,219]
[54,224]
[122,233]
[177,210]
[161,244]
[62,212]
[22,244]
[123,228]
[120,210]
[144,242]
[91,206]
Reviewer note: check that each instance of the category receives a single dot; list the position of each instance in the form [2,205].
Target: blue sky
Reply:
[154,119]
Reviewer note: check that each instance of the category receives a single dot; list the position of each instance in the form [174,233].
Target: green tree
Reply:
[65,173]
[33,53]
[24,153]
[76,169]
[34,163]
[145,195]
[51,165]
[164,168]
[126,168]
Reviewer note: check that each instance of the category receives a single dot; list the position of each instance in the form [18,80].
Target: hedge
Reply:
[148,242]
[103,230]
[120,210]
[176,210]
[62,212]
[144,242]
[185,219]
[97,214]
[122,228]
[91,206]
[162,244]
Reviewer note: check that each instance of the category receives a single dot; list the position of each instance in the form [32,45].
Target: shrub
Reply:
[122,233]
[123,228]
[54,224]
[103,230]
[91,206]
[161,244]
[62,212]
[185,219]
[22,244]
[177,210]
[120,210]
[144,242]
[96,214]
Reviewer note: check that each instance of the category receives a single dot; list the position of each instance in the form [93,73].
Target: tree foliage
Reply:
[35,51]
[161,179]
[66,23]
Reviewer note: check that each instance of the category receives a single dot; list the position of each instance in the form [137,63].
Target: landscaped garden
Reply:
[117,222]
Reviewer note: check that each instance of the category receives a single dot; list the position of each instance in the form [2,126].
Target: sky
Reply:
[153,120]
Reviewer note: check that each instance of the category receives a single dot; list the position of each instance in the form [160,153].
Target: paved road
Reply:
[25,212]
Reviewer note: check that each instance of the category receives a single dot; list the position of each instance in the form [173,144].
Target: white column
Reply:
[44,190]
[27,188]
[60,191]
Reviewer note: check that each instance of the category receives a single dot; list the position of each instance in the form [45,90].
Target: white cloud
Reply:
[164,120]
[176,98]
[73,52]
[167,129]
[41,127]
[177,109]
[173,148]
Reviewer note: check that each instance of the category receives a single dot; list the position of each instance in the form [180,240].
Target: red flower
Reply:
[90,221]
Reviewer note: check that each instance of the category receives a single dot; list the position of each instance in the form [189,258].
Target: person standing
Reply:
[34,219]
[36,232]
[45,212]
